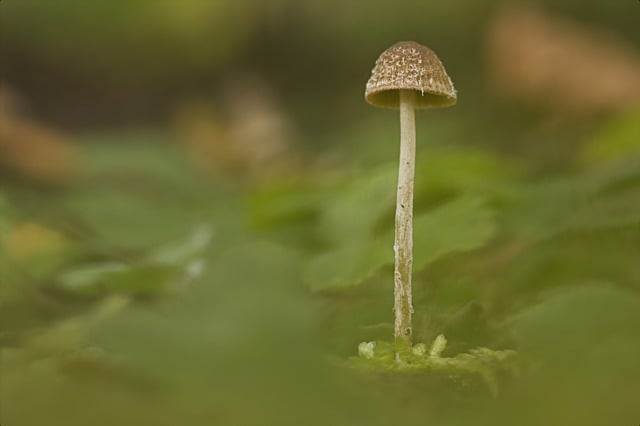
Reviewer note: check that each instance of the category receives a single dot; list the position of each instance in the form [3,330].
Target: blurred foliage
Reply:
[114,61]
[145,284]
[222,263]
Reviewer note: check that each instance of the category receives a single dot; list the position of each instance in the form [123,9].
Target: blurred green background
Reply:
[196,212]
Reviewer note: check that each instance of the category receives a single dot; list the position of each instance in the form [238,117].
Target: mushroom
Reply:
[407,76]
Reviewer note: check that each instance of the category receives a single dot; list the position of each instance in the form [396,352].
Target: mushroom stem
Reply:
[403,245]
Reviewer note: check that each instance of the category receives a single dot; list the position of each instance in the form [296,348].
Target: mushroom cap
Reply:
[408,65]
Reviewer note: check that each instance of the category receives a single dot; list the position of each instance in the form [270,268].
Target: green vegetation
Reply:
[147,285]
[197,212]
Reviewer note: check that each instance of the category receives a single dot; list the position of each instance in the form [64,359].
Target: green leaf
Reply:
[464,224]
[604,197]
[283,203]
[114,277]
[141,193]
[186,250]
[461,225]
[461,170]
[348,265]
[242,313]
[131,220]
[612,210]
[353,214]
[571,323]
[618,139]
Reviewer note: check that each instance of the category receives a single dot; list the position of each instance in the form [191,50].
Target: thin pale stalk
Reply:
[403,245]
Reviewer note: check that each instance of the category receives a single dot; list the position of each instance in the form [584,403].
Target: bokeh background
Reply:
[196,212]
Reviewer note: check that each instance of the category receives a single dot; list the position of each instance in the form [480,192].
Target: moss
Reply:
[483,363]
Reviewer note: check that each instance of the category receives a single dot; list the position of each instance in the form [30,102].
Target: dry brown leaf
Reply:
[251,136]
[542,59]
[31,150]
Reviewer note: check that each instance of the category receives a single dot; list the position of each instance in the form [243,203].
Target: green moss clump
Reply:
[481,362]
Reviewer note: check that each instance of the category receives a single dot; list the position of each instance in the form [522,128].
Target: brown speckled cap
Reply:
[412,66]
